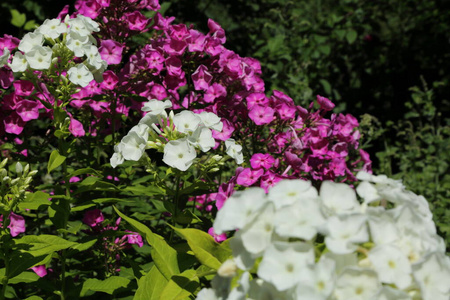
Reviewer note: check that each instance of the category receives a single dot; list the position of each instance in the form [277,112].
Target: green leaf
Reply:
[109,285]
[17,19]
[44,244]
[205,249]
[35,200]
[84,246]
[180,287]
[164,256]
[326,86]
[30,25]
[34,297]
[20,262]
[25,277]
[351,36]
[55,160]
[84,171]
[151,285]
[58,212]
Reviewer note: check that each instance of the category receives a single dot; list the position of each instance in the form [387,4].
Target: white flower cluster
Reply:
[176,135]
[76,36]
[310,245]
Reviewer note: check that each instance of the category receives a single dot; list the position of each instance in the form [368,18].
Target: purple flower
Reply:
[325,103]
[16,224]
[111,51]
[40,270]
[261,114]
[93,218]
[135,238]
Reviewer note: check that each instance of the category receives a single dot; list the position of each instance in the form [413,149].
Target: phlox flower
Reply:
[202,138]
[78,26]
[16,224]
[234,150]
[389,293]
[391,265]
[39,58]
[93,218]
[27,110]
[157,108]
[299,220]
[262,160]
[77,43]
[4,57]
[40,270]
[76,128]
[211,120]
[30,40]
[261,114]
[432,274]
[338,198]
[111,51]
[283,264]
[356,284]
[186,121]
[201,78]
[13,124]
[132,146]
[179,154]
[287,192]
[136,20]
[239,209]
[19,62]
[52,28]
[325,103]
[248,176]
[134,238]
[318,284]
[217,237]
[80,75]
[343,232]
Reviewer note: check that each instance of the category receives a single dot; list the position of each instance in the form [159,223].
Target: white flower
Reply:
[89,24]
[157,107]
[80,75]
[207,294]
[202,138]
[391,265]
[94,58]
[239,209]
[433,276]
[234,150]
[39,57]
[78,25]
[4,57]
[179,154]
[211,120]
[338,198]
[52,28]
[319,284]
[31,40]
[243,259]
[77,43]
[19,63]
[283,264]
[186,121]
[263,290]
[343,231]
[240,292]
[383,229]
[132,146]
[356,284]
[388,293]
[288,192]
[141,130]
[256,235]
[299,220]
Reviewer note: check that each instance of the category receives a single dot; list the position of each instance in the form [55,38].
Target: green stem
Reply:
[175,209]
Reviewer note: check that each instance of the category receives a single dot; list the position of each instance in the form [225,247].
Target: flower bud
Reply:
[227,269]
[26,169]
[19,168]
[3,163]
[32,173]
[15,181]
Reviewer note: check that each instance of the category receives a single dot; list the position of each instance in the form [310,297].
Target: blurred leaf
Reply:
[351,36]
[18,19]
[109,285]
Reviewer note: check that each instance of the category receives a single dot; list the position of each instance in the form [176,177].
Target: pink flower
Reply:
[248,176]
[23,87]
[261,115]
[216,90]
[16,224]
[217,237]
[13,124]
[260,160]
[136,20]
[110,80]
[93,218]
[76,128]
[201,78]
[40,270]
[134,238]
[111,51]
[325,103]
[28,110]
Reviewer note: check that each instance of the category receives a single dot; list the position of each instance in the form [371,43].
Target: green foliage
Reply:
[418,152]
